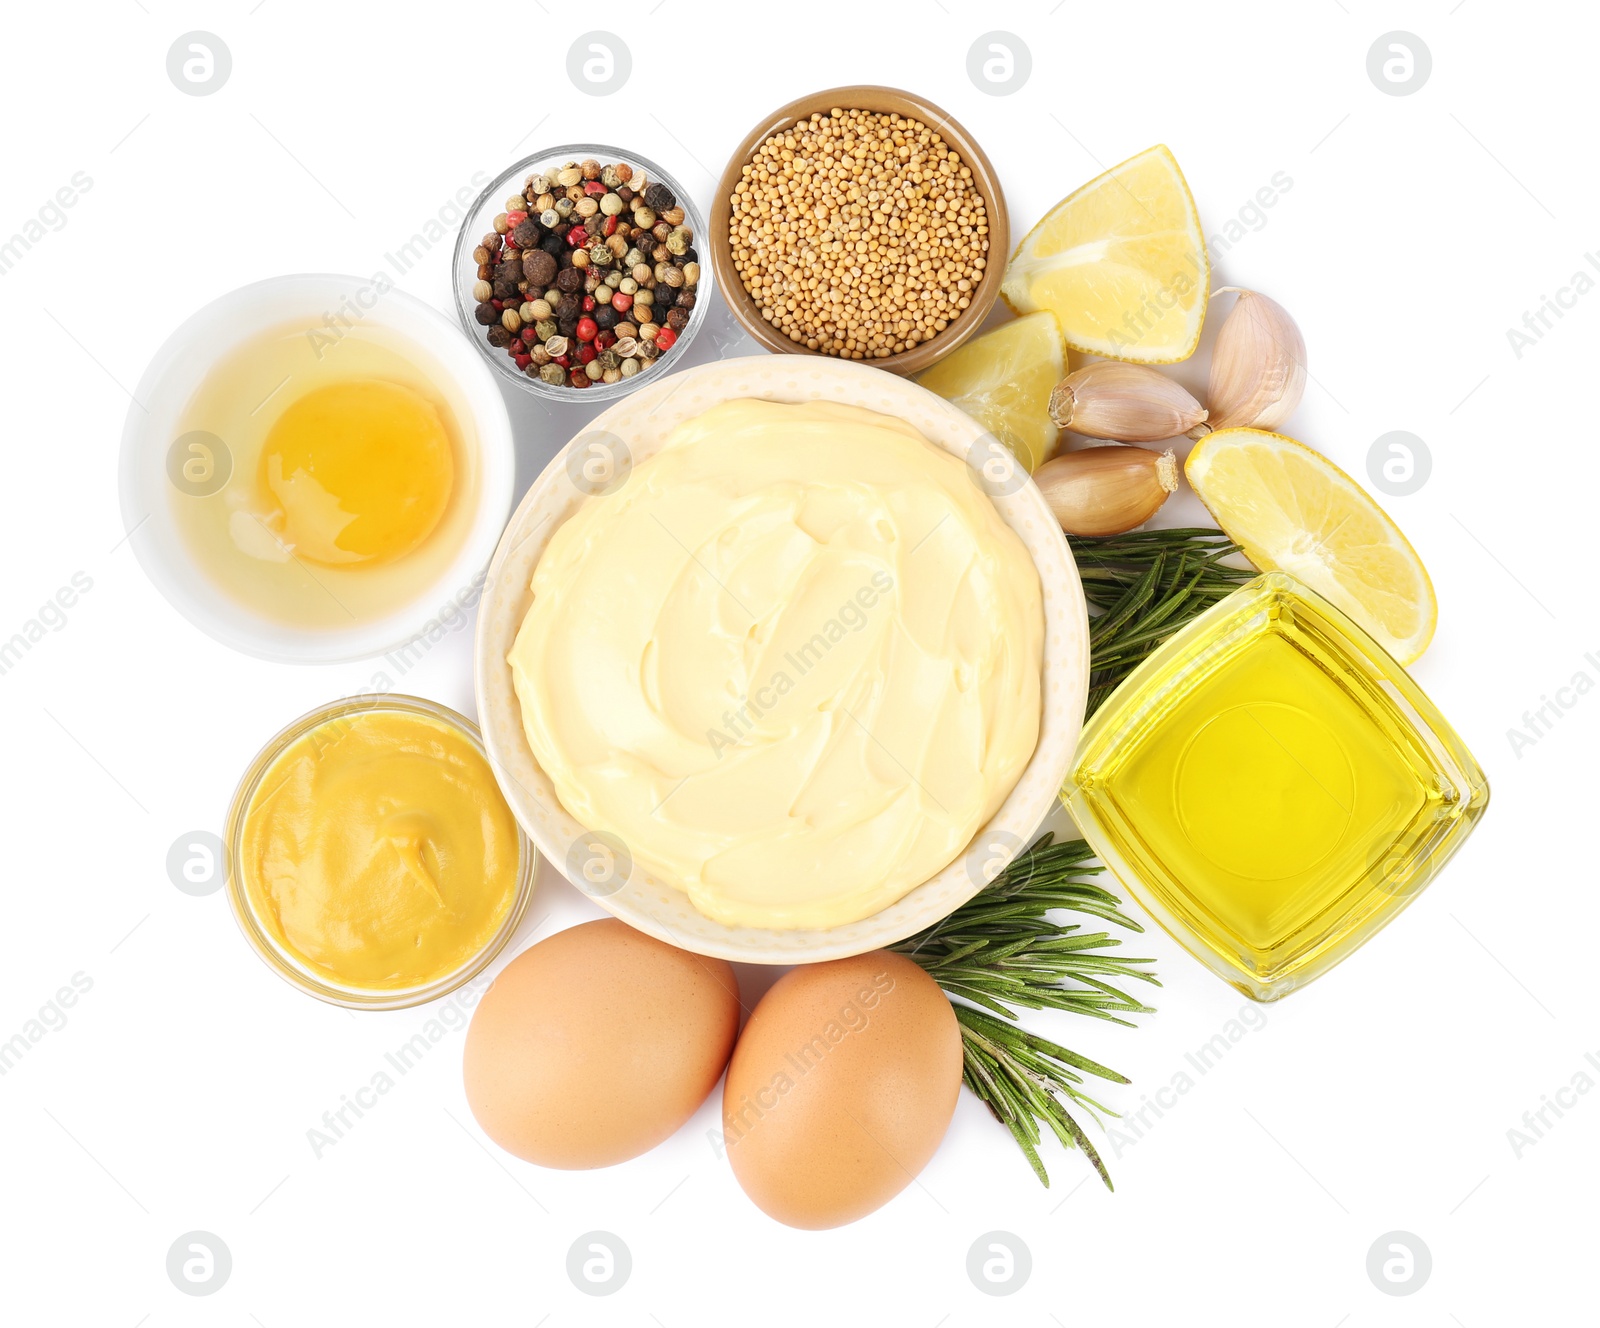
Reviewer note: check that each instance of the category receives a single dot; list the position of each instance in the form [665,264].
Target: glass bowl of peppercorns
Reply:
[578,270]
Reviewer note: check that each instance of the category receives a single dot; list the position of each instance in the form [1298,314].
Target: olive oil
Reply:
[1273,786]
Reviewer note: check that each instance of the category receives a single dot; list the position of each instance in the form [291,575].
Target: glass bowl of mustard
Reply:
[372,860]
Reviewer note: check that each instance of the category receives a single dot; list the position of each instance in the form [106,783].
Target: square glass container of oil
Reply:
[1273,787]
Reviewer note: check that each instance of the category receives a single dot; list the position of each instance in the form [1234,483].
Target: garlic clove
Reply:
[1130,403]
[1258,365]
[1107,490]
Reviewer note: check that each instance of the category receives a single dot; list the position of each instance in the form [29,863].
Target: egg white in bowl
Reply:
[599,461]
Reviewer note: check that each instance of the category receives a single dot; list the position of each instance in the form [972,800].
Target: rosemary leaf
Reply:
[1003,950]
[1145,586]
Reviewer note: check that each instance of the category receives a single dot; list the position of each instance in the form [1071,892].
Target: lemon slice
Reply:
[1292,510]
[1003,379]
[1121,263]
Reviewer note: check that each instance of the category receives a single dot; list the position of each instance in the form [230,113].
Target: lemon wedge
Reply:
[1003,379]
[1292,510]
[1121,263]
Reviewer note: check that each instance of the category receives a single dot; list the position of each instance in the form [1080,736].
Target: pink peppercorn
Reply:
[588,329]
[621,302]
[593,188]
[665,338]
[514,219]
[588,304]
[606,339]
[523,361]
[586,352]
[578,378]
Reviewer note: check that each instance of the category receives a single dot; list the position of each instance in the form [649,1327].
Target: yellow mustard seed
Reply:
[858,233]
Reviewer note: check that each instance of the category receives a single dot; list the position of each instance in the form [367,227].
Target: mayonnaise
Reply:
[792,663]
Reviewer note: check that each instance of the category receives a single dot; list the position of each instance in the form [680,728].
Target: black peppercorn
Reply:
[540,268]
[572,266]
[689,256]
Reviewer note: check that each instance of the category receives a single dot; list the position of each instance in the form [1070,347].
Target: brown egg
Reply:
[596,1044]
[841,1088]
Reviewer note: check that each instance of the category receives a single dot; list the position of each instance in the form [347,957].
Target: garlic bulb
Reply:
[1107,490]
[1258,366]
[1126,402]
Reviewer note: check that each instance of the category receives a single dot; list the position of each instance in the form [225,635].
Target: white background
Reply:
[178,1095]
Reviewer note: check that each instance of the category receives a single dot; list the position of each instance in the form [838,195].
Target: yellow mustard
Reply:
[792,662]
[378,852]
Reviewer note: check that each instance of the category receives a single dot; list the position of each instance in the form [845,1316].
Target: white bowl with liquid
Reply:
[192,440]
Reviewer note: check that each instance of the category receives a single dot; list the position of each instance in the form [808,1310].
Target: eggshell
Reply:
[841,1088]
[596,1044]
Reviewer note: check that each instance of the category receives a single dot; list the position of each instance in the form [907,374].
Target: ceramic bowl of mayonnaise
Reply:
[316,468]
[781,659]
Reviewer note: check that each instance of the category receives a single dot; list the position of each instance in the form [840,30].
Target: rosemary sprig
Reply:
[1001,950]
[1022,1077]
[1146,585]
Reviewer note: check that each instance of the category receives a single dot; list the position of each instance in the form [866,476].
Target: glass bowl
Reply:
[1273,787]
[281,960]
[480,221]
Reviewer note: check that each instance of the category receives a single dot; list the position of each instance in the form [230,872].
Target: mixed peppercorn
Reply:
[589,274]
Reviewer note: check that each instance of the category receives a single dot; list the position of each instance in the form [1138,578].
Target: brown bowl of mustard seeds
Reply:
[862,223]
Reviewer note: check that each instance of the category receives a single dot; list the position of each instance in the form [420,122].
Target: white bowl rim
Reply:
[1045,772]
[281,642]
